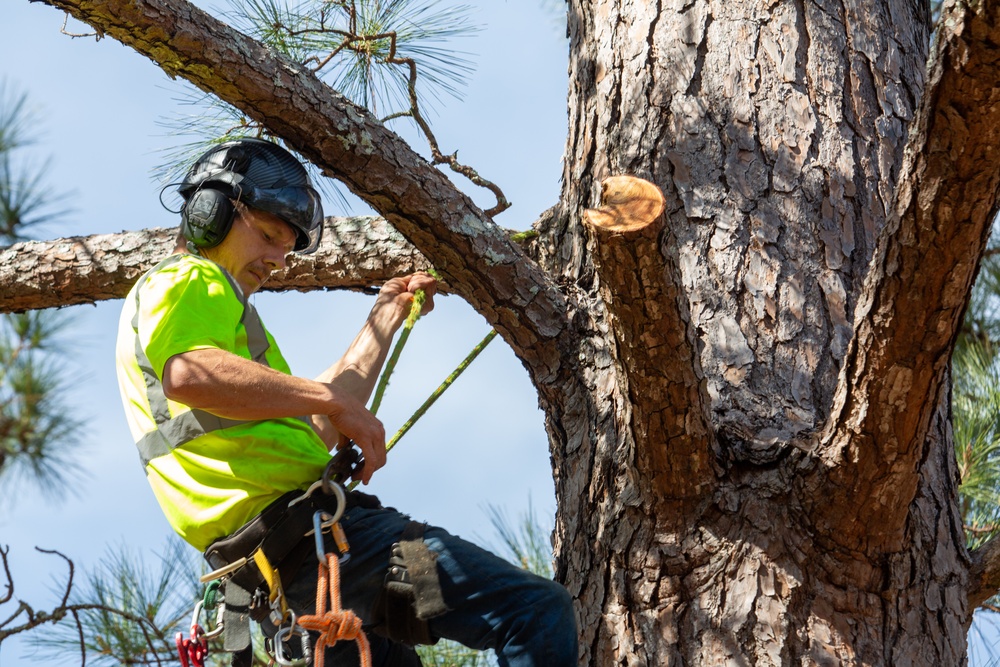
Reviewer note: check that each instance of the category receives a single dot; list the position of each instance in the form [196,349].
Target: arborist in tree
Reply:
[232,443]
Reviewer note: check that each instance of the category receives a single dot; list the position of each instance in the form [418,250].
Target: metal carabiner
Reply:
[330,488]
[196,616]
[197,632]
[279,646]
[323,520]
[319,519]
[218,626]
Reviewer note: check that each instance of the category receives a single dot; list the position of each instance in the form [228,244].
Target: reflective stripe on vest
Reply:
[172,432]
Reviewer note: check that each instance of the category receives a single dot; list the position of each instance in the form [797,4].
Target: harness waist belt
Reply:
[278,532]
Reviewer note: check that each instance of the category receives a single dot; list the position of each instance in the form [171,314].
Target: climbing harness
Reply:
[256,562]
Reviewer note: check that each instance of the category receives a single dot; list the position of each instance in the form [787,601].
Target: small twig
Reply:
[74,35]
[36,619]
[351,39]
[436,154]
[10,580]
[72,570]
[979,531]
[83,641]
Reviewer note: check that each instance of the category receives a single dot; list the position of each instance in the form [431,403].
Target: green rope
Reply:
[418,303]
[448,381]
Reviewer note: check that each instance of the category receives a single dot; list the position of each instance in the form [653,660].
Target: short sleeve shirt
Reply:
[210,475]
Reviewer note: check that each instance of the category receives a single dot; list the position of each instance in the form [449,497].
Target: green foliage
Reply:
[13,119]
[25,201]
[133,611]
[976,425]
[452,654]
[976,409]
[524,542]
[38,438]
[347,44]
[976,404]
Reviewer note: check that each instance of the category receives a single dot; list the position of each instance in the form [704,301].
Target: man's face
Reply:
[256,245]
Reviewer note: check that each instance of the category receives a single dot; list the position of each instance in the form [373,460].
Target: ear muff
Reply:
[207,217]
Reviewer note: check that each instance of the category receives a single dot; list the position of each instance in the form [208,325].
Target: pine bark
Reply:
[355,253]
[742,347]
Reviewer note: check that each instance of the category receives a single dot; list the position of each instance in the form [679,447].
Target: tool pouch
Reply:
[411,592]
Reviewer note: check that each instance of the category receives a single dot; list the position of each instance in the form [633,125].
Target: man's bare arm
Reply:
[228,385]
[356,372]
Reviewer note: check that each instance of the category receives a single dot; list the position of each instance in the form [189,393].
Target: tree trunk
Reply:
[777,136]
[739,317]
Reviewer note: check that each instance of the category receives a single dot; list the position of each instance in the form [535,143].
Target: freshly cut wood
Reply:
[628,203]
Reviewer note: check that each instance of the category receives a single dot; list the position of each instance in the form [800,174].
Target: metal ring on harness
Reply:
[334,490]
[339,466]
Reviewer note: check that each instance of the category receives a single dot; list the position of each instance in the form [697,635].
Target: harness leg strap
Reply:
[236,620]
[411,592]
[421,563]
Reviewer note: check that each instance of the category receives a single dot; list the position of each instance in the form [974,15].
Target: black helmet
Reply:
[262,175]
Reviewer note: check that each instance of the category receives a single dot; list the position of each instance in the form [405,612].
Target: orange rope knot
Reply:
[337,624]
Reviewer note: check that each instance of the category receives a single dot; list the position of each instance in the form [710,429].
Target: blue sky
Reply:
[97,108]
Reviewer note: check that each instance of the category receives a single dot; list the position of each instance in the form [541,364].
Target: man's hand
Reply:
[397,294]
[354,422]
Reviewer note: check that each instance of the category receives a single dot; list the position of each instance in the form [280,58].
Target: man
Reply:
[230,439]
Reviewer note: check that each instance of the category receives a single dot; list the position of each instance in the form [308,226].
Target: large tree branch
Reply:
[917,290]
[475,256]
[356,253]
[640,287]
[984,575]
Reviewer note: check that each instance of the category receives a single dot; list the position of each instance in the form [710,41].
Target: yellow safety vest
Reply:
[210,475]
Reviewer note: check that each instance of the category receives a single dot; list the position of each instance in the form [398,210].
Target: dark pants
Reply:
[526,619]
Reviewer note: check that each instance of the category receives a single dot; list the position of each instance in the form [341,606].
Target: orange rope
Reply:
[336,624]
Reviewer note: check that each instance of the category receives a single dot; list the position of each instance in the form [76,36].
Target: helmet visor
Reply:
[299,206]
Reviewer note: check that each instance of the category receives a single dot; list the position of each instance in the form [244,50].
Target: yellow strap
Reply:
[272,578]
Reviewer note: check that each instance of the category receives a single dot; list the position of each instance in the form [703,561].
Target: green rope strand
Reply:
[418,303]
[448,381]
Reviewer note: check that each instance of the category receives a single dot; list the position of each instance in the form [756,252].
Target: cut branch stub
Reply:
[640,287]
[627,204]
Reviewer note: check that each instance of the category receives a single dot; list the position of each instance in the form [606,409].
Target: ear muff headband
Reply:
[207,217]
